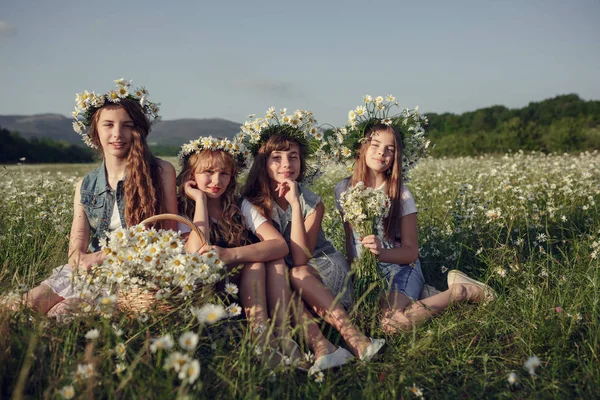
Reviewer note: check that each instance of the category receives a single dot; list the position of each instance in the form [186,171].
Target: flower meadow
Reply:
[526,223]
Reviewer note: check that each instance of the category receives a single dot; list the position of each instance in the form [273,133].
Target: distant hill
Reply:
[165,133]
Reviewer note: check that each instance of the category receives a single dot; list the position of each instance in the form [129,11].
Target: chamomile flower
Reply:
[176,361]
[190,371]
[531,364]
[211,313]
[120,368]
[162,343]
[120,351]
[233,310]
[319,377]
[92,334]
[231,289]
[360,111]
[67,392]
[188,341]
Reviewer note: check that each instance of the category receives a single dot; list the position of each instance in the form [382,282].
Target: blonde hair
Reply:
[231,224]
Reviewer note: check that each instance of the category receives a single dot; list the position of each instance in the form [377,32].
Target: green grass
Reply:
[528,224]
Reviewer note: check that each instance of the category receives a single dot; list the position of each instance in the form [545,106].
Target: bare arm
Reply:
[80,237]
[194,242]
[349,243]
[272,246]
[407,253]
[167,178]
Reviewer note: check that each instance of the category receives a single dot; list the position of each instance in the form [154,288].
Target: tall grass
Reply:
[528,224]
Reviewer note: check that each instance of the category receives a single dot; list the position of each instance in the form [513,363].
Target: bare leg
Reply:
[400,313]
[254,300]
[66,307]
[319,344]
[42,298]
[308,283]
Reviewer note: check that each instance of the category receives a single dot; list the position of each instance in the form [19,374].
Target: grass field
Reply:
[528,224]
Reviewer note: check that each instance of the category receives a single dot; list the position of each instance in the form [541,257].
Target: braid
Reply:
[143,193]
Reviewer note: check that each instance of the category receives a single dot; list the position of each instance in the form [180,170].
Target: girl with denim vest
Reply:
[379,164]
[129,186]
[317,271]
[207,195]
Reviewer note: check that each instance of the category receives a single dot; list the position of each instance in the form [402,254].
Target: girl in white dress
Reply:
[130,186]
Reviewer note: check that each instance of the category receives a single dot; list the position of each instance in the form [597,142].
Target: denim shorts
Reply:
[406,278]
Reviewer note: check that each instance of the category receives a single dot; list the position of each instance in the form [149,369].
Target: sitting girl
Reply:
[129,186]
[318,271]
[379,164]
[207,195]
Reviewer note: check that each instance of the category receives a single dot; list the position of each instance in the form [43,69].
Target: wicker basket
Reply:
[144,300]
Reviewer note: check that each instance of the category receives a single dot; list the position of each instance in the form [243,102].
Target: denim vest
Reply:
[98,199]
[282,222]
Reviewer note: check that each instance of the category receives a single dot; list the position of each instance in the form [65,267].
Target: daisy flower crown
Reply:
[301,126]
[88,102]
[237,150]
[381,110]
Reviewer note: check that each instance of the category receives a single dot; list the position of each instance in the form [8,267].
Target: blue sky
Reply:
[231,58]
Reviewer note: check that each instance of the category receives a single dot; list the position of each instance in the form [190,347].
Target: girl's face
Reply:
[213,181]
[115,131]
[380,155]
[282,165]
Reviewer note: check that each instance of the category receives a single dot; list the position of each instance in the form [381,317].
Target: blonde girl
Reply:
[316,269]
[129,186]
[379,165]
[207,195]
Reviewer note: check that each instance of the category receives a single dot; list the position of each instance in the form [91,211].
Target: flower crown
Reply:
[87,103]
[379,110]
[301,126]
[236,149]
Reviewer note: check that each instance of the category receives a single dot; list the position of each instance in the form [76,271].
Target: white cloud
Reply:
[6,28]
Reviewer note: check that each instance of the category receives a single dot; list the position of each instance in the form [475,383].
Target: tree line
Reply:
[564,123]
[16,148]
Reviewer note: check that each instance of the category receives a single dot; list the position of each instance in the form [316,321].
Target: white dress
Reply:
[61,280]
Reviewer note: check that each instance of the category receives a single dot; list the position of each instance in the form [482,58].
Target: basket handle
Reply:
[179,218]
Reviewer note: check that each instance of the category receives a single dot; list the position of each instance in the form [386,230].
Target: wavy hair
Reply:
[142,187]
[258,184]
[393,177]
[231,225]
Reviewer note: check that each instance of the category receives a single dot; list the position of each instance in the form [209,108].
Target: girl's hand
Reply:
[224,254]
[192,191]
[289,190]
[372,243]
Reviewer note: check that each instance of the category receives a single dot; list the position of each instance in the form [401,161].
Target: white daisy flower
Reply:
[162,343]
[190,371]
[67,392]
[231,289]
[233,310]
[188,341]
[531,364]
[120,351]
[176,361]
[92,334]
[211,313]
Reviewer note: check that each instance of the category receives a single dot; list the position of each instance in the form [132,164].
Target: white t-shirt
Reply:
[115,219]
[252,216]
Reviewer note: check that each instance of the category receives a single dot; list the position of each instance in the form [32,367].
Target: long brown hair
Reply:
[393,177]
[258,184]
[231,224]
[143,189]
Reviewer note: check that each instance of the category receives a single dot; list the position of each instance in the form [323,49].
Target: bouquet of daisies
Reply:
[364,209]
[149,261]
